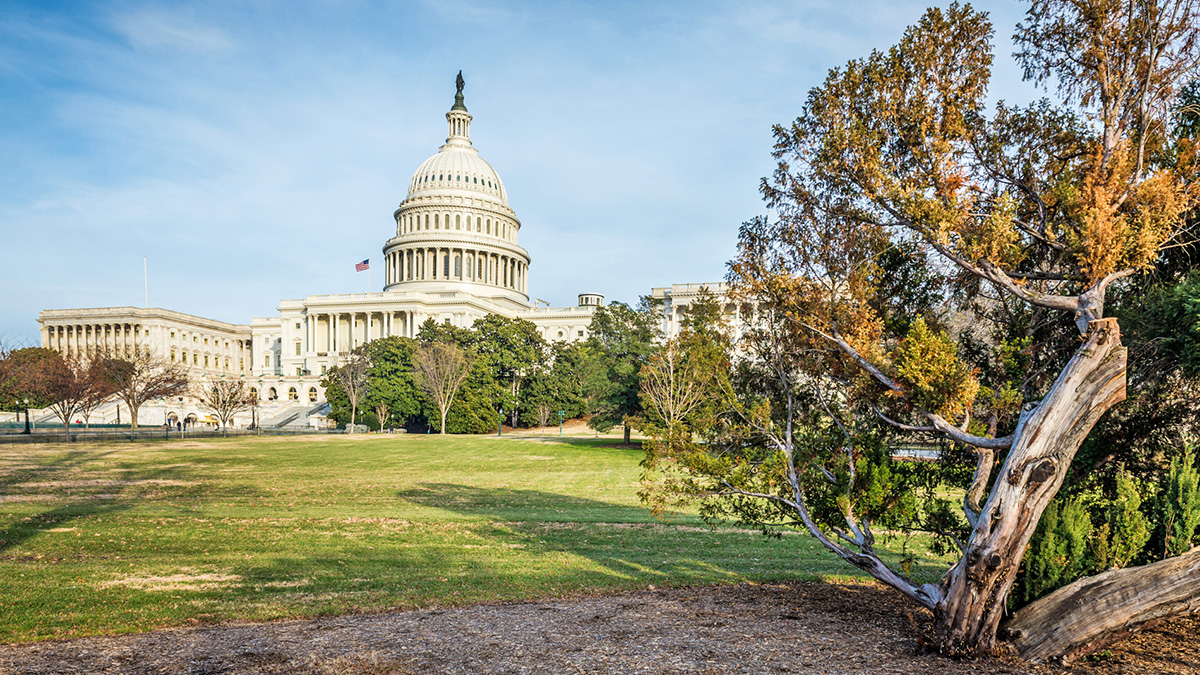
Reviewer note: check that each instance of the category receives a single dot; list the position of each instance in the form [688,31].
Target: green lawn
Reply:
[109,538]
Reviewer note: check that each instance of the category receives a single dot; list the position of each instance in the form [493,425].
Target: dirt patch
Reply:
[28,499]
[99,482]
[175,582]
[828,628]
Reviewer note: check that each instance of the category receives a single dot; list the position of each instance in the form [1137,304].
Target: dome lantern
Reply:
[458,118]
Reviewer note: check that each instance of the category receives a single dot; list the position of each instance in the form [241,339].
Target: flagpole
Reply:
[146,280]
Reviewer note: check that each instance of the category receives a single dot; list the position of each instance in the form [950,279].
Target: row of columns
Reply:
[77,340]
[343,331]
[439,221]
[456,264]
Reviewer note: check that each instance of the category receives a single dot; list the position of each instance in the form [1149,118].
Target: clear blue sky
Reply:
[256,151]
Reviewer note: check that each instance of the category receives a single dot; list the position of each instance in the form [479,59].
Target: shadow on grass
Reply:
[73,480]
[521,505]
[625,543]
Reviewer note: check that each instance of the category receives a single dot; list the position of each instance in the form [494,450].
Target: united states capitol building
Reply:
[455,257]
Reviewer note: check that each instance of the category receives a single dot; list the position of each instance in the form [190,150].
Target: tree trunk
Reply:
[627,441]
[1045,441]
[1087,615]
[443,421]
[133,411]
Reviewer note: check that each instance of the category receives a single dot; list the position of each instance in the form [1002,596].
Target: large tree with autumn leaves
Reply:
[1027,214]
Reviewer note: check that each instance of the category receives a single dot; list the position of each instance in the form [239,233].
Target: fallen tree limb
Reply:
[1096,611]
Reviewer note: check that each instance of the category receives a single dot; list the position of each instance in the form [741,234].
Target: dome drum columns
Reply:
[454,263]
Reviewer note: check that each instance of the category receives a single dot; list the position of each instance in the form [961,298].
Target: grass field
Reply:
[109,538]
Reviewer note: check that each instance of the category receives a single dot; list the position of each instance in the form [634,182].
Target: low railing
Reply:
[51,435]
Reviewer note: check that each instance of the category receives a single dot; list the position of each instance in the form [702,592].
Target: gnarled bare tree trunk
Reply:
[1047,437]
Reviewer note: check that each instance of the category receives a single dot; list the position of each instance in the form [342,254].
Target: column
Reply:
[368,335]
[335,347]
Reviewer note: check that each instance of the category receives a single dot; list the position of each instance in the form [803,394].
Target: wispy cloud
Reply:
[179,30]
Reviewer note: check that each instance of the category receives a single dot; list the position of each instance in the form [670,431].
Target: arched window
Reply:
[253,393]
[445,266]
[489,225]
[479,224]
[292,394]
[312,394]
[469,258]
[436,221]
[457,222]
[272,395]
[457,265]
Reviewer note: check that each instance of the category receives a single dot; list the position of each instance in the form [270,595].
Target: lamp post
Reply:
[27,416]
[500,423]
[560,416]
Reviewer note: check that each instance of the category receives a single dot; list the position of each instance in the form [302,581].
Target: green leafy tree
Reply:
[1058,551]
[1123,537]
[1181,505]
[512,350]
[392,391]
[19,378]
[621,339]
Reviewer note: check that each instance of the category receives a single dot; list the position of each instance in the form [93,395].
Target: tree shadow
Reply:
[508,504]
[626,544]
[70,481]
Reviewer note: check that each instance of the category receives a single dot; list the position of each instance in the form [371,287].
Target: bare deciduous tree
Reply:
[139,377]
[441,368]
[351,376]
[102,388]
[225,398]
[381,413]
[673,386]
[69,384]
[543,408]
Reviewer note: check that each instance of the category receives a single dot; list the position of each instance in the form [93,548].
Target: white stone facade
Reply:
[676,298]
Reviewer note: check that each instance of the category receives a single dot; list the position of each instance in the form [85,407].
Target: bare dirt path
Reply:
[795,628]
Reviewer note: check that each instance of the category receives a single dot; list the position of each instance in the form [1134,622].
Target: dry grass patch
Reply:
[184,581]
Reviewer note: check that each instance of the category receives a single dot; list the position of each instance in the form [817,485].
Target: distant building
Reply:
[455,257]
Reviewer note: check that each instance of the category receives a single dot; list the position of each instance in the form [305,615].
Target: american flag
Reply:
[364,265]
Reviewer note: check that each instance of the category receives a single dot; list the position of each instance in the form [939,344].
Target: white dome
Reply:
[457,167]
[455,230]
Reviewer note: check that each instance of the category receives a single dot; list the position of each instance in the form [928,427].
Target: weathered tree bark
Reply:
[1046,439]
[1087,615]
